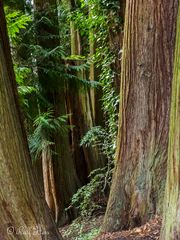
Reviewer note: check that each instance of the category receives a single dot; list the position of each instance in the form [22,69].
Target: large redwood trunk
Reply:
[23,209]
[171,219]
[139,176]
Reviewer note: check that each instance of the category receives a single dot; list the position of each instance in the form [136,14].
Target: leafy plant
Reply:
[16,21]
[102,18]
[91,199]
[103,15]
[78,230]
[46,125]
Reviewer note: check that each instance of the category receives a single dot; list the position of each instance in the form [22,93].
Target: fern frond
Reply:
[46,125]
[16,21]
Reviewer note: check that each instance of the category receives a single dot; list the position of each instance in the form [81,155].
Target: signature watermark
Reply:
[24,230]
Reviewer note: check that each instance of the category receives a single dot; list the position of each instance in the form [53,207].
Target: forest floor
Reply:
[149,231]
[85,231]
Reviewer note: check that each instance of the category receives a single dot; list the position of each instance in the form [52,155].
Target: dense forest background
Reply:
[89,119]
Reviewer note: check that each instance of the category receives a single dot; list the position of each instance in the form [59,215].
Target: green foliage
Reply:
[103,16]
[98,136]
[94,19]
[54,62]
[89,236]
[25,88]
[110,99]
[16,21]
[46,125]
[91,198]
[77,230]
[102,19]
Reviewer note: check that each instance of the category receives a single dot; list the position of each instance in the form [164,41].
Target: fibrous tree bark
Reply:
[49,181]
[171,219]
[139,176]
[24,213]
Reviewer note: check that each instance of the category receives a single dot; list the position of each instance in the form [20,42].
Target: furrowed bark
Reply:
[139,176]
[23,211]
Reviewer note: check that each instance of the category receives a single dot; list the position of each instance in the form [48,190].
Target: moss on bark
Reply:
[171,219]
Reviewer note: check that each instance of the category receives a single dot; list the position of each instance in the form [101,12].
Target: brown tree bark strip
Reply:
[171,219]
[22,206]
[140,172]
[46,181]
[53,189]
[49,182]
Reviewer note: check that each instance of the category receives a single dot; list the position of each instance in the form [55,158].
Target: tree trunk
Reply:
[139,176]
[53,89]
[95,93]
[49,181]
[171,219]
[23,210]
[80,107]
[65,168]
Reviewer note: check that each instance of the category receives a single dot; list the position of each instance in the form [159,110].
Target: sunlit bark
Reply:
[171,220]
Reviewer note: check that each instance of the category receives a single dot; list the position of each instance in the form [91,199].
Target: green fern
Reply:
[46,125]
[16,21]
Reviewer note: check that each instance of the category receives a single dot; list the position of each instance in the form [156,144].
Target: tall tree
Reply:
[80,107]
[139,176]
[23,208]
[62,170]
[171,221]
[94,71]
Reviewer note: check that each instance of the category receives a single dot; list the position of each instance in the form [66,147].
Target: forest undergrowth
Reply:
[89,229]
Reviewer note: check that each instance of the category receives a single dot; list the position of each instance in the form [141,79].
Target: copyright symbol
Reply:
[10,230]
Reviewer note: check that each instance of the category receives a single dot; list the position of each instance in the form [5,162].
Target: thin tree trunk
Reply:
[53,190]
[49,181]
[116,45]
[23,209]
[139,176]
[95,93]
[45,168]
[65,167]
[79,104]
[171,219]
[92,72]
